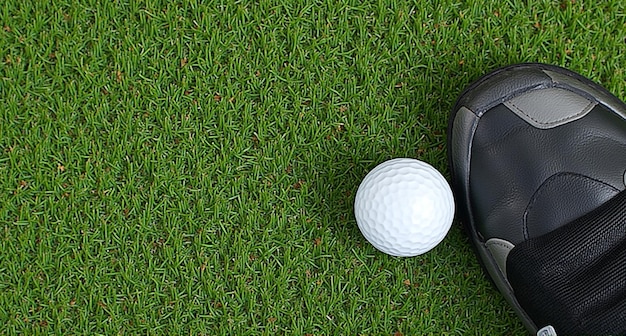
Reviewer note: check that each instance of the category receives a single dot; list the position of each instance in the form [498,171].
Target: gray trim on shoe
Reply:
[593,92]
[499,249]
[549,108]
[490,263]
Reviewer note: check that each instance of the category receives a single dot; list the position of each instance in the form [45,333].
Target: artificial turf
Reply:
[189,168]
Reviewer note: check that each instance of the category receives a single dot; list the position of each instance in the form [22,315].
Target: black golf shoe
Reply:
[538,158]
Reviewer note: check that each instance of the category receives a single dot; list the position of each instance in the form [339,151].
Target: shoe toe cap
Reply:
[527,142]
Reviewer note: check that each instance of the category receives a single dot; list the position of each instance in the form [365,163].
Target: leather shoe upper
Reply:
[533,147]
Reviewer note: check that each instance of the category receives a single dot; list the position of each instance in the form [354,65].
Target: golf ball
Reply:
[404,207]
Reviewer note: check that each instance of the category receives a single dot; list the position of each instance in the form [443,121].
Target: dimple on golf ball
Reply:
[404,207]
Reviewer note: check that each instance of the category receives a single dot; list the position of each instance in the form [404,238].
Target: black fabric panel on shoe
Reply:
[574,278]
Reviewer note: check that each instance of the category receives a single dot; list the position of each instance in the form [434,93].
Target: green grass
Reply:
[185,168]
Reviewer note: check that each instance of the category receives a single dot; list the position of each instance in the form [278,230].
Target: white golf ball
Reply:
[404,207]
